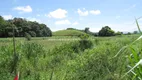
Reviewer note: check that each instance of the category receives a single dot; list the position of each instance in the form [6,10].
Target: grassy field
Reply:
[47,42]
[58,58]
[68,33]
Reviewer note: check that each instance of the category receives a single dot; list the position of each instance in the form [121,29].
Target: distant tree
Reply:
[89,32]
[135,32]
[118,33]
[129,33]
[106,31]
[86,30]
[71,29]
[96,34]
[2,27]
[23,26]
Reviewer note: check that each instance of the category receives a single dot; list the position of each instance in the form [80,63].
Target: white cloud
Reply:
[95,12]
[82,13]
[59,13]
[23,9]
[67,22]
[7,17]
[34,19]
[75,23]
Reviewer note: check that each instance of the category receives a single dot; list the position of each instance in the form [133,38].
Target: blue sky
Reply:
[61,14]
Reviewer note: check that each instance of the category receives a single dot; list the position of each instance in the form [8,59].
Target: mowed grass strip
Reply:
[68,33]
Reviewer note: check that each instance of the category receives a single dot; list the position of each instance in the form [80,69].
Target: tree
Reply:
[118,33]
[129,33]
[45,30]
[71,29]
[135,32]
[23,26]
[2,27]
[32,33]
[86,30]
[106,31]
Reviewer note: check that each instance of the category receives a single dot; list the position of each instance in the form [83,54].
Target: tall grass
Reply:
[34,63]
[134,58]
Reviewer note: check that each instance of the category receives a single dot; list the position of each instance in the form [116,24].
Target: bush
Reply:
[129,33]
[85,44]
[84,36]
[118,33]
[32,33]
[27,36]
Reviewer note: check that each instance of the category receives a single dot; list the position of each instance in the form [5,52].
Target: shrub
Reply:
[84,36]
[28,36]
[85,44]
[32,33]
[118,33]
[129,33]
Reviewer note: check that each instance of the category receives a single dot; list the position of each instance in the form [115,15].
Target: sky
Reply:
[61,14]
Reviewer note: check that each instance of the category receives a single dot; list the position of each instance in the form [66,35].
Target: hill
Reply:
[68,33]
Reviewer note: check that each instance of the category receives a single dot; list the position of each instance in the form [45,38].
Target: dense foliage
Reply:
[106,31]
[22,26]
[118,33]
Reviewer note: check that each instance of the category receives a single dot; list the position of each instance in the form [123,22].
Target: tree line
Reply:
[21,27]
[104,32]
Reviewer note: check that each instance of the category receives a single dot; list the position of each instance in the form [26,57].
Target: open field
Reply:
[50,42]
[55,59]
[47,42]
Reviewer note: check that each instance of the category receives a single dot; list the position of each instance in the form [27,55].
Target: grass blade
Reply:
[138,63]
[138,26]
[51,75]
[120,51]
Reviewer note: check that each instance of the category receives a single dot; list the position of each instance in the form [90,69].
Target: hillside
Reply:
[67,33]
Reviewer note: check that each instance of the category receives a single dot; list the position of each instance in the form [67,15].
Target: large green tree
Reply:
[106,31]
